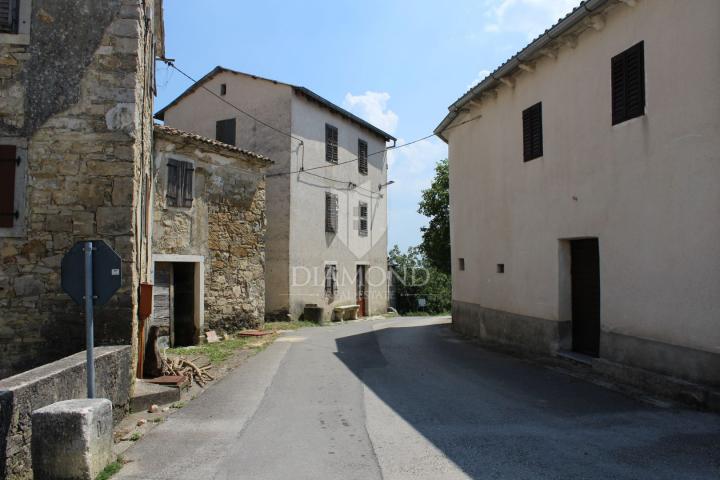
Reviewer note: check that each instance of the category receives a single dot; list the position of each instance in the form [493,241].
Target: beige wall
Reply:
[647,188]
[270,102]
[310,246]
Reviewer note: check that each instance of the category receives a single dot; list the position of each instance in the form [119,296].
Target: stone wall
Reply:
[76,102]
[225,225]
[62,380]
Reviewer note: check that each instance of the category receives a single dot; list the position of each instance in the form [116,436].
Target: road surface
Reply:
[408,399]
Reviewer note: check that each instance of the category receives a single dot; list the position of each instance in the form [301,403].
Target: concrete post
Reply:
[72,440]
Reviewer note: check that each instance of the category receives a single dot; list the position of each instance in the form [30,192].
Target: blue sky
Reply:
[398,64]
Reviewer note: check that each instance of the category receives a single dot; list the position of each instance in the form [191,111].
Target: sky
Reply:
[396,63]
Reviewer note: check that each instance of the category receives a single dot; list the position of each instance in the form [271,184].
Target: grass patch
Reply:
[110,470]
[177,405]
[288,325]
[135,437]
[215,352]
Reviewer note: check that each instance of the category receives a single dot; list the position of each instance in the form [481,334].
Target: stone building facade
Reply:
[76,98]
[208,236]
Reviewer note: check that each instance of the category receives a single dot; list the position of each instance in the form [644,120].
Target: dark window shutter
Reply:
[173,177]
[331,212]
[331,143]
[628,84]
[187,185]
[363,230]
[8,162]
[532,132]
[225,131]
[8,16]
[330,279]
[362,157]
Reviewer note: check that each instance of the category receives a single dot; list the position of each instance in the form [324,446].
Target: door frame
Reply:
[365,266]
[199,283]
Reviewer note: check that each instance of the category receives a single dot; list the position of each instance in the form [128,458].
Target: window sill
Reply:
[14,39]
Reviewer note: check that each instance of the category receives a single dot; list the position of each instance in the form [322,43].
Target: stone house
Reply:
[584,192]
[208,236]
[75,164]
[326,191]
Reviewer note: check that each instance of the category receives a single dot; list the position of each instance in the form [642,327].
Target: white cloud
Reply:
[372,106]
[480,77]
[531,17]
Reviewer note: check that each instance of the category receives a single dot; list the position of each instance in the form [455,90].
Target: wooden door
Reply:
[361,287]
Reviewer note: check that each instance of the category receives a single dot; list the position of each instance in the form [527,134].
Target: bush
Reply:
[414,278]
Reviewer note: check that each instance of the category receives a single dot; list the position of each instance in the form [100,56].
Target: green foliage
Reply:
[135,437]
[435,204]
[110,470]
[414,277]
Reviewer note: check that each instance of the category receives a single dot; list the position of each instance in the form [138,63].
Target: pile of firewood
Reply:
[181,366]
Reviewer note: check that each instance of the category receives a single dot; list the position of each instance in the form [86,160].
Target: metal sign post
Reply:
[91,274]
[89,320]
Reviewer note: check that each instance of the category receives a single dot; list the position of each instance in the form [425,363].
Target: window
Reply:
[362,157]
[532,132]
[8,162]
[331,143]
[628,84]
[330,280]
[9,16]
[461,264]
[363,214]
[225,131]
[500,268]
[331,212]
[223,89]
[179,183]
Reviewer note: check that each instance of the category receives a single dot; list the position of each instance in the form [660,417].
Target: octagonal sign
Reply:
[106,268]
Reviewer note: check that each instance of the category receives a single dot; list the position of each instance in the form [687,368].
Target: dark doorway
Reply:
[184,331]
[361,287]
[585,273]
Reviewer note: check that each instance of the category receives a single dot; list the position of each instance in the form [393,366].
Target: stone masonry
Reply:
[76,100]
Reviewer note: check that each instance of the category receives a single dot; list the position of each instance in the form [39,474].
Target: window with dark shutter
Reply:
[331,143]
[362,157]
[628,84]
[363,214]
[532,132]
[331,212]
[179,183]
[225,131]
[330,280]
[223,89]
[8,16]
[8,162]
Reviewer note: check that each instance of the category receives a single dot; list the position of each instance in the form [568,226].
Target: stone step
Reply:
[148,394]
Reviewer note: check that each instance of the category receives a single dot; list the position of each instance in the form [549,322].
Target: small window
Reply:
[223,89]
[500,268]
[225,131]
[532,132]
[8,162]
[363,214]
[628,84]
[180,183]
[330,280]
[331,143]
[331,212]
[362,157]
[9,16]
[461,264]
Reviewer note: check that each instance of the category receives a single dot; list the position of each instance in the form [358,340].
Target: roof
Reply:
[160,115]
[163,130]
[587,8]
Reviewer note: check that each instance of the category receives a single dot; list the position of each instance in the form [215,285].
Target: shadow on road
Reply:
[496,416]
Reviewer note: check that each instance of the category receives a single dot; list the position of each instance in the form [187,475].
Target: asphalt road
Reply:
[408,399]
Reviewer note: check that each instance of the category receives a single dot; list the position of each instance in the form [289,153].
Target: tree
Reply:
[435,204]
[414,278]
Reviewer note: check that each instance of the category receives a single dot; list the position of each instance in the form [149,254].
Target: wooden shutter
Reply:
[362,157]
[628,84]
[331,143]
[8,163]
[173,183]
[8,12]
[363,210]
[187,172]
[330,279]
[331,212]
[532,132]
[225,131]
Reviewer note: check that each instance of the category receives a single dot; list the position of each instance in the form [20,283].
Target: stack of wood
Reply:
[187,368]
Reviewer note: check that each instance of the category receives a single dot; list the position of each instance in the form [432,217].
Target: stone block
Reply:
[72,439]
[114,220]
[122,191]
